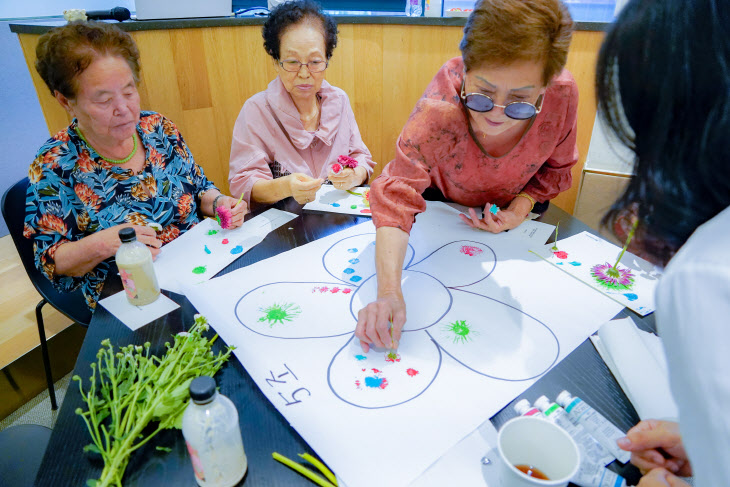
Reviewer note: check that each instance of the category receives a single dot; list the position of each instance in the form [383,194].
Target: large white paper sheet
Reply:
[587,258]
[486,318]
[333,200]
[204,250]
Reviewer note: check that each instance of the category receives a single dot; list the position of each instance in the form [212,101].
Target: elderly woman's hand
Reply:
[303,188]
[238,210]
[348,178]
[660,477]
[657,444]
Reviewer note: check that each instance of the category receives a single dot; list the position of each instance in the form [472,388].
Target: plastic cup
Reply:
[539,443]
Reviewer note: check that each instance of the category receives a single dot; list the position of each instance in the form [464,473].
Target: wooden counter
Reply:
[199,77]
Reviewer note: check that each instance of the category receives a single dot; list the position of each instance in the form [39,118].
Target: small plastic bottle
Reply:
[213,436]
[523,408]
[134,261]
[413,8]
[601,428]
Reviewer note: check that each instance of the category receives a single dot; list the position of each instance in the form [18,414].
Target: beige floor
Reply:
[18,298]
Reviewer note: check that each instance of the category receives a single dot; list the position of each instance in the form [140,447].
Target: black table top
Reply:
[264,429]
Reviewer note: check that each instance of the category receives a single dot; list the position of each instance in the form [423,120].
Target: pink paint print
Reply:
[561,254]
[470,250]
[225,241]
[412,372]
[392,357]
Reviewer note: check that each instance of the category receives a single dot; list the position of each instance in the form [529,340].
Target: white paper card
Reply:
[204,250]
[334,200]
[478,334]
[636,359]
[136,317]
[587,258]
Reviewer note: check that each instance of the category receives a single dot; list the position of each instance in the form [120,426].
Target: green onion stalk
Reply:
[130,388]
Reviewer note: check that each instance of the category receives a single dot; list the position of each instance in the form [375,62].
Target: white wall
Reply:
[22,126]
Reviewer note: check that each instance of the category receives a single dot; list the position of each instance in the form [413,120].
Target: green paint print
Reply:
[212,232]
[462,331]
[279,313]
[200,269]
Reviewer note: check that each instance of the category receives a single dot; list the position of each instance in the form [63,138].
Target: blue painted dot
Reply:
[494,209]
[207,250]
[373,382]
[352,251]
[354,261]
[237,249]
[355,278]
[574,263]
[360,357]
[560,263]
[336,205]
[349,270]
[631,296]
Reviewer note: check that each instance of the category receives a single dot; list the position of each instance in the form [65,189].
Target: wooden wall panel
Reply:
[200,79]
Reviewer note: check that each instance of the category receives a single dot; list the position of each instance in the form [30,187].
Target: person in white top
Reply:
[663,84]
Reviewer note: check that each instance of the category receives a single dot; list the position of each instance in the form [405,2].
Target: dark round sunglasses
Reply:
[517,110]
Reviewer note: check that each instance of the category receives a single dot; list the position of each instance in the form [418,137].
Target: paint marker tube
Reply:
[601,428]
[523,408]
[590,449]
[591,473]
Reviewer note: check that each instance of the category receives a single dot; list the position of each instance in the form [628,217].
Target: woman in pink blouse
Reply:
[496,126]
[287,137]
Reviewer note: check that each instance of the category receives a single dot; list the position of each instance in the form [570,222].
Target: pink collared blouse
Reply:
[270,141]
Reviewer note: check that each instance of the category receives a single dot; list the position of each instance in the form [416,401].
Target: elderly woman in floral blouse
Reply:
[114,166]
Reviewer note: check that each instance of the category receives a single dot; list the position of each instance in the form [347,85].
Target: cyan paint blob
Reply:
[355,278]
[559,263]
[336,205]
[352,251]
[349,270]
[575,263]
[207,250]
[237,249]
[373,381]
[494,209]
[631,296]
[360,357]
[354,261]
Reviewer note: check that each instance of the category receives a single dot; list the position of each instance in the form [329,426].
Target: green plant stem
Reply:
[626,245]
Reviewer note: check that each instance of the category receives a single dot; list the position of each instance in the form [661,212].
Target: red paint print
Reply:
[324,289]
[335,290]
[346,291]
[392,357]
[375,371]
[561,254]
[412,372]
[470,250]
[363,370]
[225,241]
[357,384]
[383,383]
[366,210]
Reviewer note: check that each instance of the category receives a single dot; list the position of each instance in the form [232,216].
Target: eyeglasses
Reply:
[313,66]
[517,110]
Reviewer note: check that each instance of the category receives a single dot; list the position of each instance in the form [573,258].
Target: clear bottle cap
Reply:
[564,398]
[127,234]
[522,406]
[542,403]
[202,389]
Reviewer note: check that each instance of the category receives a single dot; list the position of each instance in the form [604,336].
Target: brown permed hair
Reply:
[65,52]
[500,32]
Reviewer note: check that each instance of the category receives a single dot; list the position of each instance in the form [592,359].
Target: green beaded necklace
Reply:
[111,161]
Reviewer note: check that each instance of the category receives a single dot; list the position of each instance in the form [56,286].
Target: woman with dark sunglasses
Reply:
[496,126]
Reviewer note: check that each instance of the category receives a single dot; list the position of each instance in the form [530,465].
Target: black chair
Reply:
[72,305]
[21,452]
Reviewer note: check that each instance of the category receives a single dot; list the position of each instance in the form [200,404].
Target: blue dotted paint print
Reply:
[354,261]
[349,270]
[574,263]
[355,278]
[336,205]
[631,296]
[237,249]
[352,251]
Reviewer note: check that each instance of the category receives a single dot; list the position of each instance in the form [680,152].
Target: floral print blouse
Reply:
[73,193]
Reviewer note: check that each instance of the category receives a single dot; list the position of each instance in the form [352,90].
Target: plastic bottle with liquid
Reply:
[413,8]
[213,436]
[134,261]
[601,428]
